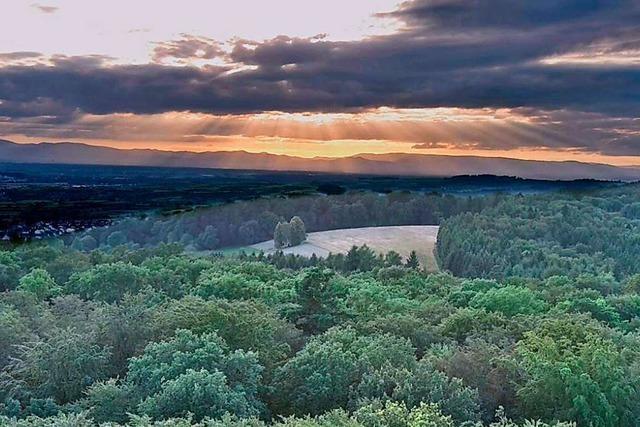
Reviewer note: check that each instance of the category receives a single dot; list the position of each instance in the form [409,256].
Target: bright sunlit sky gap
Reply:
[127,30]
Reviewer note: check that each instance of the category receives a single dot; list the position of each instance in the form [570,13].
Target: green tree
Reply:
[39,283]
[13,332]
[126,328]
[360,258]
[9,270]
[574,372]
[85,243]
[67,263]
[394,414]
[318,297]
[487,368]
[466,322]
[420,382]
[61,420]
[632,284]
[282,235]
[109,282]
[228,285]
[176,376]
[326,373]
[116,238]
[298,231]
[392,259]
[60,367]
[208,239]
[412,261]
[109,401]
[509,300]
[200,393]
[247,325]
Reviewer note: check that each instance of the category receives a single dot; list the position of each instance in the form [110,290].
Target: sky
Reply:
[544,79]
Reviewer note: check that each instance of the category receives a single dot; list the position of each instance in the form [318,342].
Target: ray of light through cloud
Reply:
[555,80]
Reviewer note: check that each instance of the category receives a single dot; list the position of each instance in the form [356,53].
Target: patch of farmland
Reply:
[402,239]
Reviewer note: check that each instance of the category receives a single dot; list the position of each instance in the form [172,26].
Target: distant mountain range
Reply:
[375,164]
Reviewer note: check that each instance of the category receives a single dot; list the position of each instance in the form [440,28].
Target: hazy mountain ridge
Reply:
[376,164]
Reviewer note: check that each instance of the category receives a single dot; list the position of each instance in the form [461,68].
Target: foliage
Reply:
[577,373]
[282,235]
[543,325]
[412,261]
[542,236]
[39,283]
[327,372]
[60,366]
[392,414]
[195,374]
[109,282]
[298,231]
[509,300]
[290,233]
[247,222]
[200,393]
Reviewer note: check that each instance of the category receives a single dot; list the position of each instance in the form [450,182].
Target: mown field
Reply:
[402,239]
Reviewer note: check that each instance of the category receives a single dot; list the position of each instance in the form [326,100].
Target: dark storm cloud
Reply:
[281,51]
[470,14]
[452,53]
[316,86]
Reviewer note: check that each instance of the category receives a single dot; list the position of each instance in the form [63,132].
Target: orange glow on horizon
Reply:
[511,133]
[347,148]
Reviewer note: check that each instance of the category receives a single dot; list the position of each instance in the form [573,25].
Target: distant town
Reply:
[48,229]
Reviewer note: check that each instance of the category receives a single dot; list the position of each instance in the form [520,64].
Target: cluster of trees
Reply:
[546,235]
[290,233]
[158,337]
[358,258]
[248,222]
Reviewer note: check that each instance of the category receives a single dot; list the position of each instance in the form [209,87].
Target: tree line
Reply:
[247,222]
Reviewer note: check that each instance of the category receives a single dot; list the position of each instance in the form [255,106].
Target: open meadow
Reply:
[402,239]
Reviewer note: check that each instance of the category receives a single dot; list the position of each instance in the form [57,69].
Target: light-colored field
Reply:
[402,239]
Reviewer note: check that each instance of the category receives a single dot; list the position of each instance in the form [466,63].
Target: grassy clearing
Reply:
[402,239]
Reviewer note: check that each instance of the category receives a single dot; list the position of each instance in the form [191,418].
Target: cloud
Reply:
[450,144]
[44,8]
[334,81]
[20,58]
[14,56]
[461,129]
[501,14]
[187,48]
[571,56]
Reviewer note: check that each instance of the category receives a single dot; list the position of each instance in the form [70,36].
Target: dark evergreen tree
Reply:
[412,261]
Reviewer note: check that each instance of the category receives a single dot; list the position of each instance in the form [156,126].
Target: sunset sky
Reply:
[544,79]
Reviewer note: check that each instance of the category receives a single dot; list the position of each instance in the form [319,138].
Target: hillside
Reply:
[375,164]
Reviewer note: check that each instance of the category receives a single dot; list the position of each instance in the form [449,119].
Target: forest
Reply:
[46,200]
[541,236]
[247,222]
[533,320]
